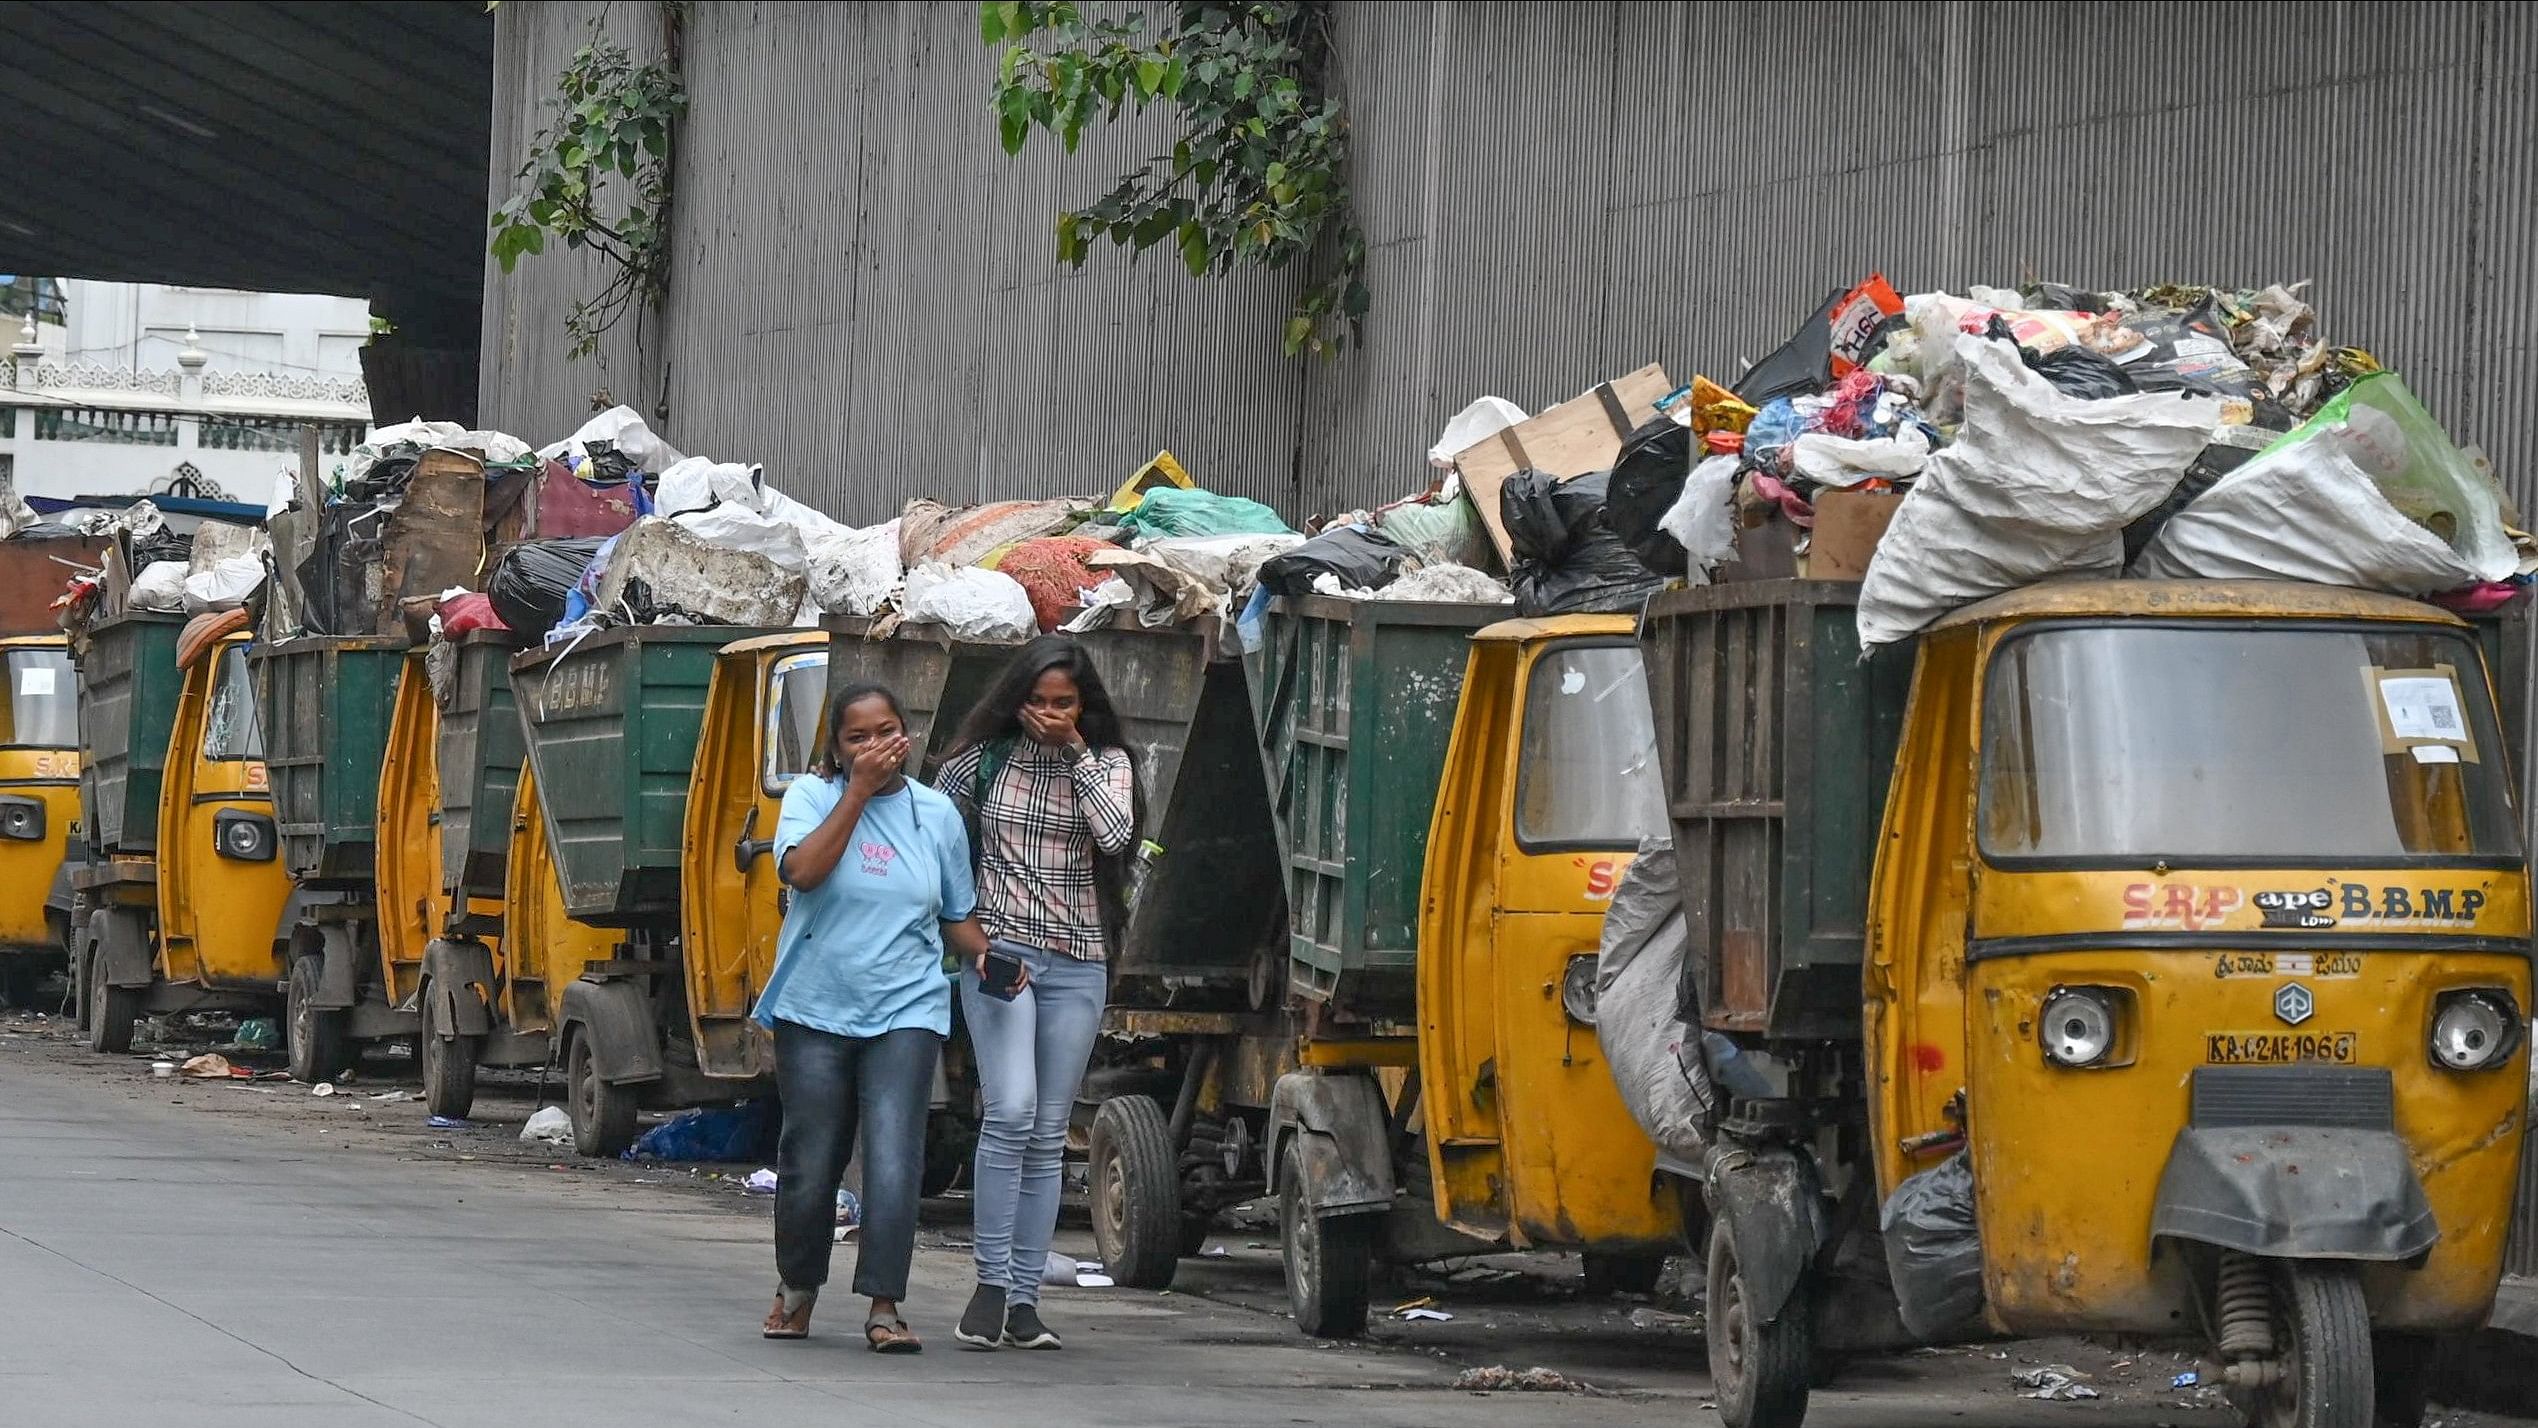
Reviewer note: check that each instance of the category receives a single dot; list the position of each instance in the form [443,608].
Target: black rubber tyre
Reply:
[1136,1193]
[2322,1329]
[1330,1258]
[1611,1274]
[449,1061]
[603,1114]
[2403,1363]
[107,1012]
[313,1038]
[1760,1372]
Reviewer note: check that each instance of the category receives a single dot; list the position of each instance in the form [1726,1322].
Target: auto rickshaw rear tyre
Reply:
[1760,1372]
[2322,1331]
[1611,1274]
[2402,1369]
[603,1113]
[313,1036]
[1136,1181]
[1330,1259]
[449,1062]
[108,1012]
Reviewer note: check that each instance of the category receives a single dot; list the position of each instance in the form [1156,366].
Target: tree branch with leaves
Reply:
[1260,176]
[598,178]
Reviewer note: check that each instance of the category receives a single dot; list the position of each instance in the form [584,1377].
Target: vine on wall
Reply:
[598,178]
[1260,176]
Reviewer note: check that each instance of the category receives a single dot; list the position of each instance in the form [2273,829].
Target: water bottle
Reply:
[1141,872]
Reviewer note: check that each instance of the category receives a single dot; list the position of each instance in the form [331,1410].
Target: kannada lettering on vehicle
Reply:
[2332,966]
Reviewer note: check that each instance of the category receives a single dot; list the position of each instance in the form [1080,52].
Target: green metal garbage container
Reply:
[481,750]
[327,701]
[128,683]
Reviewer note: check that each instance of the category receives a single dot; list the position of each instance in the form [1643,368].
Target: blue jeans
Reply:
[1031,1057]
[838,1089]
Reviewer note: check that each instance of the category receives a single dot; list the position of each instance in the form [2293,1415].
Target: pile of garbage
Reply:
[1944,448]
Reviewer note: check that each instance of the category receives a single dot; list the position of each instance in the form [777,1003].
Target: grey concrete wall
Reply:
[866,299]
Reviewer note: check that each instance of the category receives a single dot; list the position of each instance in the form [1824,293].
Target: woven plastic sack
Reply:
[930,531]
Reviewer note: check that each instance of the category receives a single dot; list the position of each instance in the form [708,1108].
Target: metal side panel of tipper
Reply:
[327,702]
[1354,703]
[612,722]
[915,665]
[1211,910]
[128,684]
[1777,743]
[481,751]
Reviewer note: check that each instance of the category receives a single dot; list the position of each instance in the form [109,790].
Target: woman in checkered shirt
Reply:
[1043,774]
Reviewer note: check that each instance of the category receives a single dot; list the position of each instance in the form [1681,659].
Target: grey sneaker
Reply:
[983,1322]
[1023,1329]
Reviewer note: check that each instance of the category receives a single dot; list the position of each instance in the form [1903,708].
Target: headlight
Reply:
[2077,1026]
[2474,1030]
[21,818]
[247,837]
[1577,989]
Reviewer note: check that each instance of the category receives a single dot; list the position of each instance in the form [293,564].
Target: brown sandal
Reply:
[891,1335]
[783,1325]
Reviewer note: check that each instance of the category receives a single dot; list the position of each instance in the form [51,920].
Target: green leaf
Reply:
[991,24]
[1150,73]
[1299,330]
[1012,130]
[1194,249]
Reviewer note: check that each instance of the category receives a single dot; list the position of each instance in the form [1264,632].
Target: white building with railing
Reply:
[72,429]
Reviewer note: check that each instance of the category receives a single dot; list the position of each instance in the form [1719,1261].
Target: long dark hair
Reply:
[824,762]
[998,719]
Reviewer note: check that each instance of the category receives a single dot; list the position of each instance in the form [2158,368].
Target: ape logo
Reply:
[2293,1004]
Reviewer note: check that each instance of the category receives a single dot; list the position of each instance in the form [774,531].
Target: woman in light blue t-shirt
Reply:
[879,869]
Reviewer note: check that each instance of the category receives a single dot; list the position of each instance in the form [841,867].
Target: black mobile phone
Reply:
[1002,976]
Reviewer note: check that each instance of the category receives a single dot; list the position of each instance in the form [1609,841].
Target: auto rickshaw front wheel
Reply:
[449,1061]
[603,1113]
[1330,1258]
[106,1012]
[2320,1373]
[1760,1372]
[1136,1181]
[314,1037]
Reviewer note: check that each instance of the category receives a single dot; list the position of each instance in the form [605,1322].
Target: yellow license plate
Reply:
[2280,1048]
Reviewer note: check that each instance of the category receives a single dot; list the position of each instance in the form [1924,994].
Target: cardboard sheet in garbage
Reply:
[33,570]
[1579,435]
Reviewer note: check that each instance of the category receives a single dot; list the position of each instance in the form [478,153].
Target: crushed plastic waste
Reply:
[548,1125]
[2053,1383]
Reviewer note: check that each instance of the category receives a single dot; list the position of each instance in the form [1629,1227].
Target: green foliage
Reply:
[1261,175]
[598,178]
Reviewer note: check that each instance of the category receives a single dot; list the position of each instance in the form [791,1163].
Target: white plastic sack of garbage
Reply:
[698,483]
[1448,585]
[160,586]
[225,585]
[624,429]
[1653,1054]
[728,503]
[2330,504]
[2037,484]
[1703,519]
[1844,462]
[549,1126]
[1484,418]
[972,603]
[854,572]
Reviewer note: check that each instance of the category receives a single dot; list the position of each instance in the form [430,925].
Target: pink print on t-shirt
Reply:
[877,859]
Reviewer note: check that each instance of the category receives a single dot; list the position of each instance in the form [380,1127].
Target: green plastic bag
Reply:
[1174,512]
[2402,448]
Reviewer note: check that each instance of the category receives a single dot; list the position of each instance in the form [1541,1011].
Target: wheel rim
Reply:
[585,1085]
[1111,1199]
[1304,1250]
[1731,1318]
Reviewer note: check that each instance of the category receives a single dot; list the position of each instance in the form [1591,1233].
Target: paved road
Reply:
[204,1256]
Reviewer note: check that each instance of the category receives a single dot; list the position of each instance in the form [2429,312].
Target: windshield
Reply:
[796,688]
[1587,773]
[232,730]
[2276,745]
[39,706]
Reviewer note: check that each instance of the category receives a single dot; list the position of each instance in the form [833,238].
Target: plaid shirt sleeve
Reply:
[1106,791]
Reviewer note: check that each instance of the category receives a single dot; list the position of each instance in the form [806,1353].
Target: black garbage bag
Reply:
[1362,559]
[1647,481]
[2062,297]
[161,544]
[1934,1250]
[2073,371]
[1802,364]
[1567,559]
[529,583]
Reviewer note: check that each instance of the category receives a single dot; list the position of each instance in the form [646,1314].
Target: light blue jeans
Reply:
[1031,1057]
